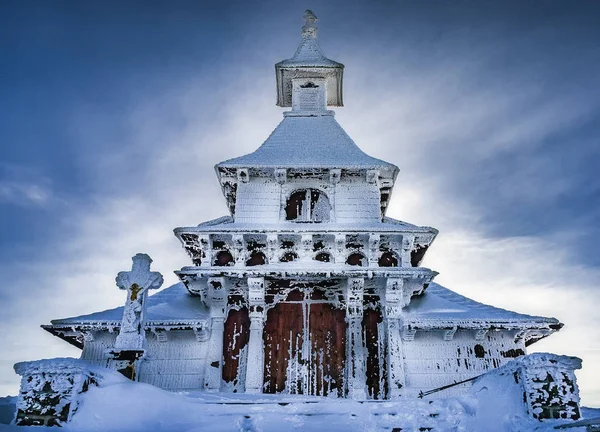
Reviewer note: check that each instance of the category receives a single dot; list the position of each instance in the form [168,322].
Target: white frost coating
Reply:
[441,308]
[51,388]
[308,142]
[136,282]
[355,355]
[258,202]
[171,306]
[544,383]
[401,333]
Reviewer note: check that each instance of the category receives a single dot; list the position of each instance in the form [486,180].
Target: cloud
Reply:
[24,194]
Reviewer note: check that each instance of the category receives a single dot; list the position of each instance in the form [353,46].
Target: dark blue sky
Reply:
[58,56]
[490,106]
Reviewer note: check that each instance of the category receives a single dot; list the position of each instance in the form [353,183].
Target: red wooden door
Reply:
[328,349]
[235,338]
[305,347]
[283,341]
[376,373]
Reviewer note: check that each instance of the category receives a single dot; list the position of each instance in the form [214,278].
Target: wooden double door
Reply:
[305,346]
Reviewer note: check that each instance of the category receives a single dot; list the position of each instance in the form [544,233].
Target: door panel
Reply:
[236,335]
[283,339]
[305,347]
[376,372]
[328,349]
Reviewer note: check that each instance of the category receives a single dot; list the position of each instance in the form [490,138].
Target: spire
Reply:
[309,62]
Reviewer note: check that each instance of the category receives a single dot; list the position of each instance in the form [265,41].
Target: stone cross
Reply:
[136,282]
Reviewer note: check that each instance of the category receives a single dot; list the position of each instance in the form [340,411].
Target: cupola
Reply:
[309,78]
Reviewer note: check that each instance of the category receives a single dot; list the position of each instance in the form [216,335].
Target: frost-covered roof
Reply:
[308,54]
[440,307]
[308,142]
[227,223]
[171,305]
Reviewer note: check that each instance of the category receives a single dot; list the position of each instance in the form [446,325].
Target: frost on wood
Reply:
[306,287]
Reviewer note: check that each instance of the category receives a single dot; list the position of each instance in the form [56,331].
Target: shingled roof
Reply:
[308,142]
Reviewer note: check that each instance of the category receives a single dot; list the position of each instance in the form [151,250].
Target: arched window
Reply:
[224,258]
[356,259]
[323,257]
[257,258]
[308,205]
[288,257]
[388,259]
[479,351]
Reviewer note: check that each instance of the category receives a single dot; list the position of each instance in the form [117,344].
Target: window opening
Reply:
[257,258]
[308,205]
[479,351]
[388,260]
[323,257]
[288,257]
[356,259]
[224,258]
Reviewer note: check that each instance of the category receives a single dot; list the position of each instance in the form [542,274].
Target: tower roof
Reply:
[308,142]
[309,61]
[309,53]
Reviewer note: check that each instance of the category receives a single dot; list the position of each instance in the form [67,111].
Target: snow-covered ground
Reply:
[132,407]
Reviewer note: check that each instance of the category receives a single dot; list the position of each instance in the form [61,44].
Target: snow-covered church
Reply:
[306,287]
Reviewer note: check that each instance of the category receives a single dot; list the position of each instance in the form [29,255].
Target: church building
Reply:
[306,286]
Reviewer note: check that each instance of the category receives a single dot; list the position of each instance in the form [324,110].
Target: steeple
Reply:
[309,142]
[309,67]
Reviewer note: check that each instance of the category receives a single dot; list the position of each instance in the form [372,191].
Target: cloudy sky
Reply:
[114,113]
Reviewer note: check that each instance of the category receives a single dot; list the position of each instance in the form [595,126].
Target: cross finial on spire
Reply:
[309,30]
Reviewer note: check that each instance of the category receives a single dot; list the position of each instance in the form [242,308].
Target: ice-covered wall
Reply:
[258,201]
[174,360]
[357,202]
[432,361]
[263,199]
[96,346]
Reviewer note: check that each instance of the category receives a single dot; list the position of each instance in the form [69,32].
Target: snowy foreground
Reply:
[126,406]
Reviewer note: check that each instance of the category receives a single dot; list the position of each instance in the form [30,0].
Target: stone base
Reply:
[49,390]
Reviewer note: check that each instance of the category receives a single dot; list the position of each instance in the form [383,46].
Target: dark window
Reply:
[388,260]
[257,258]
[224,258]
[323,257]
[288,256]
[308,205]
[356,259]
[479,351]
[416,256]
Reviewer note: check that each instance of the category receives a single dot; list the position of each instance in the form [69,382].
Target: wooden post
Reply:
[217,294]
[394,302]
[355,357]
[256,351]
